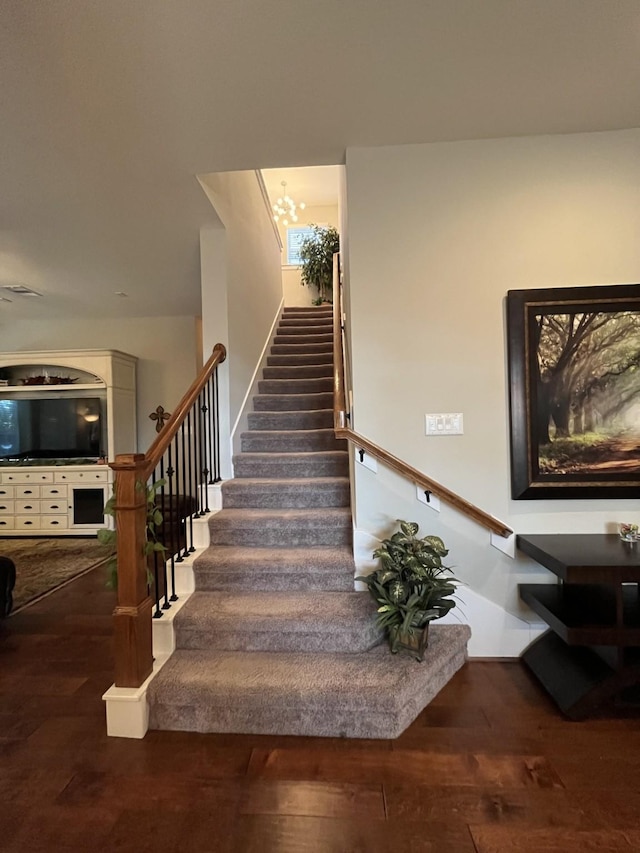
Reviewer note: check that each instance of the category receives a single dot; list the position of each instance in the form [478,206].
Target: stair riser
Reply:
[279,537]
[303,349]
[292,402]
[322,419]
[300,497]
[337,466]
[301,359]
[302,371]
[302,339]
[295,386]
[304,331]
[278,641]
[210,581]
[302,320]
[300,441]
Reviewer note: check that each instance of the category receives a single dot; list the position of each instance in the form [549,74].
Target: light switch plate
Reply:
[444,423]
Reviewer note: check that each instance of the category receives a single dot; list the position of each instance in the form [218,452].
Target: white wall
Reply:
[295,294]
[165,348]
[437,236]
[253,282]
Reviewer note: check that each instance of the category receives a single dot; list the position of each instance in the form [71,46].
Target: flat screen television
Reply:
[51,427]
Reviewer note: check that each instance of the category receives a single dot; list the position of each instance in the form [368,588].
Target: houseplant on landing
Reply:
[316,257]
[411,587]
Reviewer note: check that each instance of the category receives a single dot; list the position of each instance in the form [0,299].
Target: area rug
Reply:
[43,565]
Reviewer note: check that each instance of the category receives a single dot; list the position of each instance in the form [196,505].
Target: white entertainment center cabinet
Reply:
[63,415]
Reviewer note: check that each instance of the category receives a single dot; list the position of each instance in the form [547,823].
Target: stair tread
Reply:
[325,516]
[286,482]
[321,558]
[301,678]
[294,611]
[302,454]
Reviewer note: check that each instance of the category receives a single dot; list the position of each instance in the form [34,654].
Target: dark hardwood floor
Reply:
[489,767]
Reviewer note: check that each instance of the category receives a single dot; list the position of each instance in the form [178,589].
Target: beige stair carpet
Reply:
[275,640]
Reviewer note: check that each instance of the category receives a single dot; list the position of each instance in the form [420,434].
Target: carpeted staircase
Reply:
[275,640]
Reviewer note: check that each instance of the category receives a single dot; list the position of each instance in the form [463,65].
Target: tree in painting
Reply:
[588,391]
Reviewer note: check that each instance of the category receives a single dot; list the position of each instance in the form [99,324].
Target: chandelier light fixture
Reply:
[285,208]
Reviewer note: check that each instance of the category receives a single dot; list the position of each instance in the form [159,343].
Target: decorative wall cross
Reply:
[160,416]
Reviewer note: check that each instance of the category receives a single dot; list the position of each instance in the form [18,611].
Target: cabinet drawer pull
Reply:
[28,492]
[28,522]
[55,506]
[55,522]
[28,507]
[2,507]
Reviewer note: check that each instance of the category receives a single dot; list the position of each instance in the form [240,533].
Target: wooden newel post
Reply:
[132,616]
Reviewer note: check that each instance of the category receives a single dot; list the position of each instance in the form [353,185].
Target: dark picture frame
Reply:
[574,392]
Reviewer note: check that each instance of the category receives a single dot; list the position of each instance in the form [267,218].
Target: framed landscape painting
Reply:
[574,386]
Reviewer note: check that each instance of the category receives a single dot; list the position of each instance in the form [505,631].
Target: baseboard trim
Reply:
[242,419]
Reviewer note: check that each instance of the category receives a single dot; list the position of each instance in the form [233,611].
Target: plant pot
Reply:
[413,642]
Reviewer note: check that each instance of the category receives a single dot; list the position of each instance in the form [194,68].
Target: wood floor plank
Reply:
[484,805]
[508,840]
[313,799]
[279,834]
[410,766]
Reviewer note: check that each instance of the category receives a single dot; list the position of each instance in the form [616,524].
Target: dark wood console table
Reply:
[592,652]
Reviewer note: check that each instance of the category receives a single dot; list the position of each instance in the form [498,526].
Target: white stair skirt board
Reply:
[494,632]
[126,707]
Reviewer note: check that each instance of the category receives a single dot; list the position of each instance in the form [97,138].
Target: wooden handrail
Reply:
[132,615]
[164,438]
[343,431]
[426,483]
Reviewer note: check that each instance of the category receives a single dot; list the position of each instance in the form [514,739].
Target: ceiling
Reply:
[108,111]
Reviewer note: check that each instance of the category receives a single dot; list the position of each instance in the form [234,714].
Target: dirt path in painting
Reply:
[618,454]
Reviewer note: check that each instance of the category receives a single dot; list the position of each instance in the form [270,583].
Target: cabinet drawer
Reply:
[53,506]
[7,522]
[7,507]
[25,477]
[53,492]
[27,493]
[24,522]
[27,507]
[52,522]
[100,475]
[6,492]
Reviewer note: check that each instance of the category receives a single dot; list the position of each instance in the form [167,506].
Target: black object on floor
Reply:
[7,583]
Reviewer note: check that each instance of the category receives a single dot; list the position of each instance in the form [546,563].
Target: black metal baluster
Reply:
[196,458]
[157,613]
[163,536]
[205,467]
[185,497]
[174,514]
[212,463]
[216,421]
[190,470]
[198,416]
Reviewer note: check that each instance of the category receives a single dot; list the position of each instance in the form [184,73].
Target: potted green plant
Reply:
[316,256]
[411,587]
[152,544]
